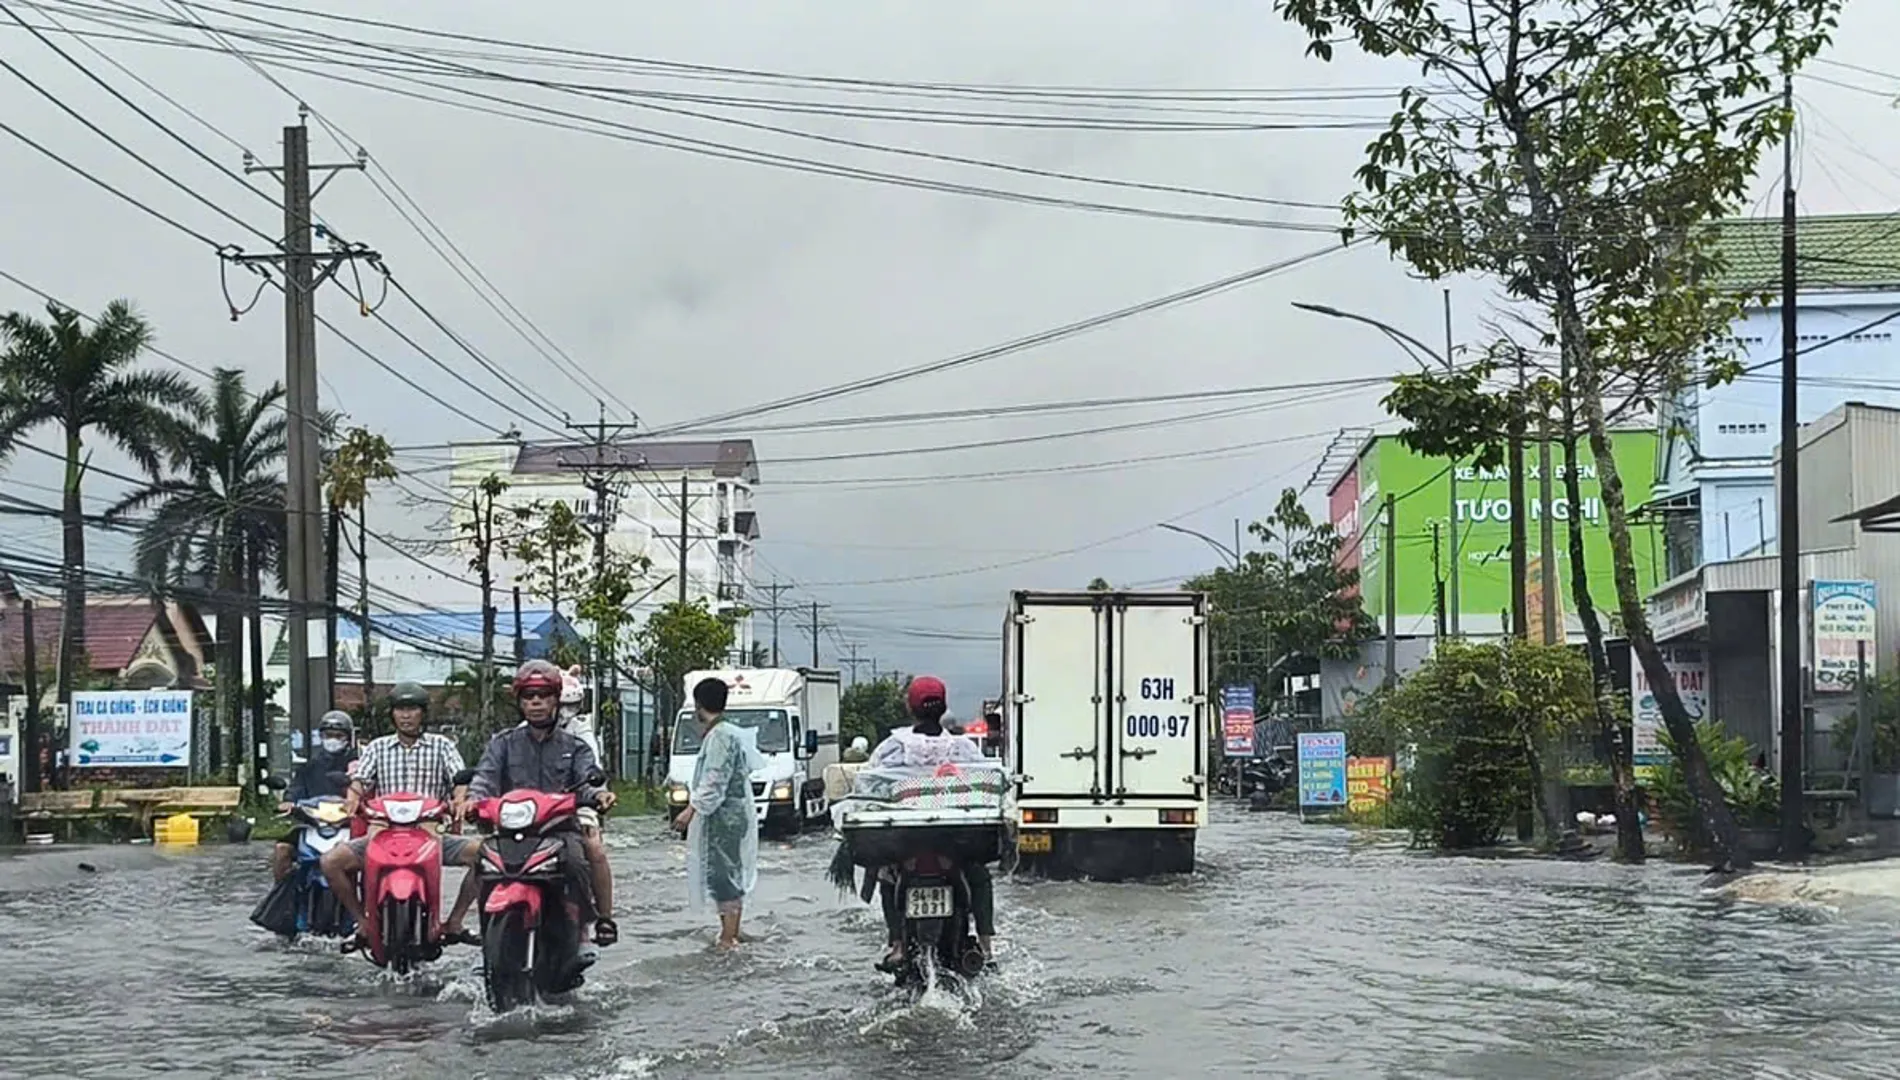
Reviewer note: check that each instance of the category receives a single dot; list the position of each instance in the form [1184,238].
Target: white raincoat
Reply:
[722,840]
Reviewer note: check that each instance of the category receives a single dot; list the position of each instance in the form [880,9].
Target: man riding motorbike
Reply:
[317,777]
[579,725]
[539,755]
[411,761]
[926,745]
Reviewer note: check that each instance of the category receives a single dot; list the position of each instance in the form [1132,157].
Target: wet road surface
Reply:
[1296,951]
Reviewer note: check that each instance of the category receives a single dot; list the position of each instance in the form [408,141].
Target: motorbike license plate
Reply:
[1036,843]
[927,902]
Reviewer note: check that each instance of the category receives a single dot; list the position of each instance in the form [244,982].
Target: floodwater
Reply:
[1296,951]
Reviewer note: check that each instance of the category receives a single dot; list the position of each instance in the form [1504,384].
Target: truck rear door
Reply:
[1060,693]
[1158,726]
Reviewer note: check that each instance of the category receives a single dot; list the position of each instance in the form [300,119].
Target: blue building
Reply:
[1716,469]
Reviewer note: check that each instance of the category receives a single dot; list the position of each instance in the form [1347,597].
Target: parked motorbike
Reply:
[402,881]
[939,929]
[530,926]
[302,903]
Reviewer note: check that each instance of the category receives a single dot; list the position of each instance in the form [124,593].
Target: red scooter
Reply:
[531,932]
[402,881]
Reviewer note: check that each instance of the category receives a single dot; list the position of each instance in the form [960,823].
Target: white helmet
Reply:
[860,744]
[571,692]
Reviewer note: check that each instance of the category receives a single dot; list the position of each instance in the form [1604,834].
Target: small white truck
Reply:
[1105,729]
[792,713]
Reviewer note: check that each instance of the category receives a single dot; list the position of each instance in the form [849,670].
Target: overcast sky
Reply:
[688,285]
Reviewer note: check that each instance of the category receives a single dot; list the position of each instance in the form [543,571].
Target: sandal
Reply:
[892,961]
[464,936]
[606,932]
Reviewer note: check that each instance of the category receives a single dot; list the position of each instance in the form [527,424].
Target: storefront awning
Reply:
[1881,517]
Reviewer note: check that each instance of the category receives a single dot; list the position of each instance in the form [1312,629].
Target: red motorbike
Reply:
[531,929]
[402,881]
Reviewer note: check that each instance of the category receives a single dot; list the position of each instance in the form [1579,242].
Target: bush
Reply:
[1753,796]
[1884,697]
[1471,711]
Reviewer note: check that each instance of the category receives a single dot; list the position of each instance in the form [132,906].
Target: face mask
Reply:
[334,745]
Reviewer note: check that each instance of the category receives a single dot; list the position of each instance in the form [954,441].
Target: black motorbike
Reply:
[933,898]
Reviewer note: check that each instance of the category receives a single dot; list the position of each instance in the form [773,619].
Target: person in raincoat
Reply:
[722,835]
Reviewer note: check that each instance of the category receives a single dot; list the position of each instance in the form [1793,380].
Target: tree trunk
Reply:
[225,691]
[362,608]
[333,529]
[1629,828]
[72,611]
[1711,806]
[484,548]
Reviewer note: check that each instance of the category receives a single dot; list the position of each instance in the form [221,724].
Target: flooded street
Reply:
[1298,951]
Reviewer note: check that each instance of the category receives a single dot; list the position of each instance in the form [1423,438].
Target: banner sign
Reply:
[1237,720]
[1844,614]
[1368,782]
[131,728]
[1322,762]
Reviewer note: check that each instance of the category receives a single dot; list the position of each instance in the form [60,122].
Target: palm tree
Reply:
[59,373]
[220,517]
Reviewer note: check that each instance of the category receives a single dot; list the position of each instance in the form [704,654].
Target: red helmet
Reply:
[538,675]
[925,688]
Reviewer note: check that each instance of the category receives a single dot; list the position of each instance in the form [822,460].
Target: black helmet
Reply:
[336,720]
[408,693]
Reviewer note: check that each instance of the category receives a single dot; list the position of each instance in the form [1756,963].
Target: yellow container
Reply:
[177,829]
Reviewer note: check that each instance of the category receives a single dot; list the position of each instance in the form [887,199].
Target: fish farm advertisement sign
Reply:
[116,729]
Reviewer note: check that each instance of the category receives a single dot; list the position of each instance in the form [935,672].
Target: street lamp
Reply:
[1232,554]
[1409,343]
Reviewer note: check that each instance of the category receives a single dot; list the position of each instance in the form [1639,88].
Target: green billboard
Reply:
[1421,489]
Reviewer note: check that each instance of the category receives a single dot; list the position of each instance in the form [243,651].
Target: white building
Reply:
[647,481]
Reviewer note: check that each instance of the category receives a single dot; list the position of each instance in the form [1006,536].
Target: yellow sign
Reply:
[1035,843]
[1368,782]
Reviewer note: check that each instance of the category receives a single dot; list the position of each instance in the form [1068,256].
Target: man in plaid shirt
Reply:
[412,762]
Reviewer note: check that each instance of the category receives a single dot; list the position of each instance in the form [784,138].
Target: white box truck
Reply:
[792,713]
[1106,714]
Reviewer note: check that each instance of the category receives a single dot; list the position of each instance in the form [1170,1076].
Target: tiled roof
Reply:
[1833,251]
[114,631]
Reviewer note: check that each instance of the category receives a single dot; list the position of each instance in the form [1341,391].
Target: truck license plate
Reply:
[1035,843]
[927,902]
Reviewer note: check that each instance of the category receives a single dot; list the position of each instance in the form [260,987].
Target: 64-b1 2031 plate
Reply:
[927,902]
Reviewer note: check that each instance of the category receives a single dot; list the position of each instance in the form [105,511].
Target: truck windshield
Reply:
[773,725]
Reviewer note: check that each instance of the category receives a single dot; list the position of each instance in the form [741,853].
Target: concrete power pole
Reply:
[774,609]
[852,660]
[815,605]
[303,273]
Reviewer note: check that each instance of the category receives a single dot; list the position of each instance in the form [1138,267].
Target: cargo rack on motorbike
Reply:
[957,811]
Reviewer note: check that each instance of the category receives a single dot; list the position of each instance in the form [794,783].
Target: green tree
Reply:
[551,542]
[607,603]
[679,638]
[218,518]
[358,460]
[1289,601]
[1474,714]
[479,532]
[872,709]
[1100,584]
[59,373]
[1577,152]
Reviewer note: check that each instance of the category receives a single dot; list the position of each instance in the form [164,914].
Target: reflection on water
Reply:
[1297,951]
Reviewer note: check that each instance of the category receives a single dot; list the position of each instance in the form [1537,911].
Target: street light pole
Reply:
[1232,554]
[1444,359]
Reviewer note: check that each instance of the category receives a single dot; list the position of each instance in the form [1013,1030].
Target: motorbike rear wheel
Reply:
[506,976]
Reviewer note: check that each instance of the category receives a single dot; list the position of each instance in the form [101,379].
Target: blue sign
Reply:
[1322,762]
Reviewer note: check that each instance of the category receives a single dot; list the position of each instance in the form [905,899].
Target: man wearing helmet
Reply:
[576,723]
[540,756]
[927,745]
[318,776]
[411,761]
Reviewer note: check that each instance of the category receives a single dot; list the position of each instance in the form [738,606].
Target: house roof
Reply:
[723,457]
[1832,251]
[114,631]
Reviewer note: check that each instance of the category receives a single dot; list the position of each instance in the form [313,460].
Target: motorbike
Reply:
[530,926]
[302,903]
[939,928]
[402,881]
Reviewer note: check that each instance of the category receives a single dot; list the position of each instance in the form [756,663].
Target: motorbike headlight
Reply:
[516,815]
[402,811]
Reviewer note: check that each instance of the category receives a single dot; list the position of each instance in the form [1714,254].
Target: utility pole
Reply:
[31,737]
[303,273]
[598,476]
[1438,585]
[521,644]
[1794,834]
[815,605]
[685,516]
[1546,534]
[1520,569]
[362,604]
[1457,552]
[852,661]
[773,610]
[1391,598]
